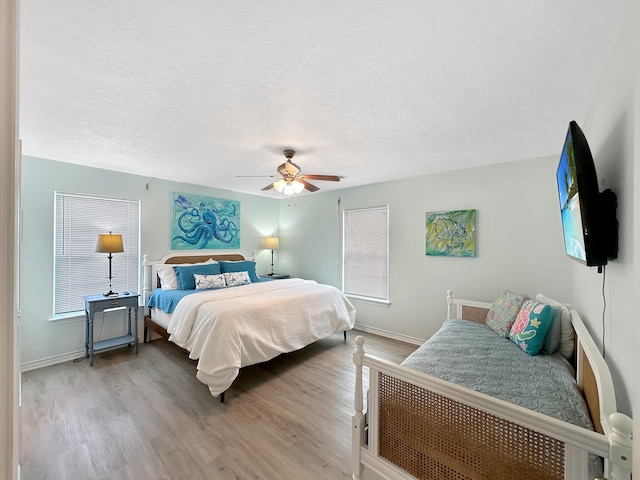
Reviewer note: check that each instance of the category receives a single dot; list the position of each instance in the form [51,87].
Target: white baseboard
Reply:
[47,362]
[388,334]
[65,357]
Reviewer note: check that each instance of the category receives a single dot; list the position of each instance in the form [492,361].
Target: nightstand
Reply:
[278,276]
[99,303]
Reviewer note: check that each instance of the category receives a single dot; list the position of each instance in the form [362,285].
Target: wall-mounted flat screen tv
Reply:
[588,216]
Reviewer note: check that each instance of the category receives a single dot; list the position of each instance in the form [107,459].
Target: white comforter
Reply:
[232,328]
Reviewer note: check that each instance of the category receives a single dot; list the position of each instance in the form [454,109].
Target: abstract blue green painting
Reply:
[204,222]
[451,234]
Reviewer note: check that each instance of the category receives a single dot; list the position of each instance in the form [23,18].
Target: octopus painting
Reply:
[199,222]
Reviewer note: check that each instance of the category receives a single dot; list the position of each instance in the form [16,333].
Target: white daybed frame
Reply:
[613,443]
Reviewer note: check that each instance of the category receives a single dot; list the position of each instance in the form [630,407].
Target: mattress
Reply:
[160,317]
[230,328]
[471,355]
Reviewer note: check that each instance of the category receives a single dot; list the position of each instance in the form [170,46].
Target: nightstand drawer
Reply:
[100,303]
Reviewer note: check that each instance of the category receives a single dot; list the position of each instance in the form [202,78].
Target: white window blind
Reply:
[78,269]
[366,253]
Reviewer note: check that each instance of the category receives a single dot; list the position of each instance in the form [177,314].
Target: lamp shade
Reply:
[109,243]
[279,185]
[271,243]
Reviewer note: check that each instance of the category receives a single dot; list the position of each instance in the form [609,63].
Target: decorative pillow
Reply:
[235,279]
[503,312]
[241,266]
[209,282]
[531,326]
[567,334]
[185,274]
[167,275]
[552,338]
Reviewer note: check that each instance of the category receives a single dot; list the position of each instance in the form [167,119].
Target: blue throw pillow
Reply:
[552,339]
[531,326]
[184,274]
[241,266]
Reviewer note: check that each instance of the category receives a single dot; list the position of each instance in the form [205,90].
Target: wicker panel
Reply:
[434,437]
[475,314]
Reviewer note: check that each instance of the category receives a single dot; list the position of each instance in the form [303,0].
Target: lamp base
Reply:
[111,294]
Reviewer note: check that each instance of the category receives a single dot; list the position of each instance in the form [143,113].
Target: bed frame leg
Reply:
[145,337]
[222,397]
[345,335]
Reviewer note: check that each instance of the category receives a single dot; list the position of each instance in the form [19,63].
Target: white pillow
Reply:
[209,282]
[235,279]
[567,334]
[167,275]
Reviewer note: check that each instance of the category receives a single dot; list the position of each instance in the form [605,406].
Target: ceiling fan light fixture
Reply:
[297,186]
[292,181]
[292,187]
[280,185]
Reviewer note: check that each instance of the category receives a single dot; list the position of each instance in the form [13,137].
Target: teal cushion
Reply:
[531,326]
[241,266]
[184,274]
[503,312]
[552,338]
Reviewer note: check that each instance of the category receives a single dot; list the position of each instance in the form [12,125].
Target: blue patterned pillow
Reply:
[209,282]
[531,326]
[235,279]
[184,274]
[503,312]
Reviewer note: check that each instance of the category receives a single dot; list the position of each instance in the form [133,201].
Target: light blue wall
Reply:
[612,129]
[519,240]
[44,341]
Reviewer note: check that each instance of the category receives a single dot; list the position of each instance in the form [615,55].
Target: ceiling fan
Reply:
[293,181]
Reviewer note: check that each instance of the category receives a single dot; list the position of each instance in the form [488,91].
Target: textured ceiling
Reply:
[200,91]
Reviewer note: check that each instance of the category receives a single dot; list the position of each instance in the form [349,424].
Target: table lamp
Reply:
[109,243]
[272,243]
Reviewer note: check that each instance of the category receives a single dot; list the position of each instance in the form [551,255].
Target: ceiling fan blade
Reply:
[307,185]
[268,187]
[255,176]
[330,178]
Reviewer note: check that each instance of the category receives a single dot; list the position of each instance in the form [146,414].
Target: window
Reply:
[365,271]
[78,269]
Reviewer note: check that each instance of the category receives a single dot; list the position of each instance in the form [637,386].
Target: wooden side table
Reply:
[99,303]
[278,276]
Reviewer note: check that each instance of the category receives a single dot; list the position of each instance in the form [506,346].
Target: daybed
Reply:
[241,321]
[428,426]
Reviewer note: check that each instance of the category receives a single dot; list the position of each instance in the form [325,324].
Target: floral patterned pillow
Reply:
[209,282]
[531,326]
[235,279]
[503,312]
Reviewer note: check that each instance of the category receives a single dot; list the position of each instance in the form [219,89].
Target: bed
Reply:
[420,422]
[227,328]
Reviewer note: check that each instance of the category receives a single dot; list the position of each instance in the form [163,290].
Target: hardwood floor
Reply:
[147,417]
